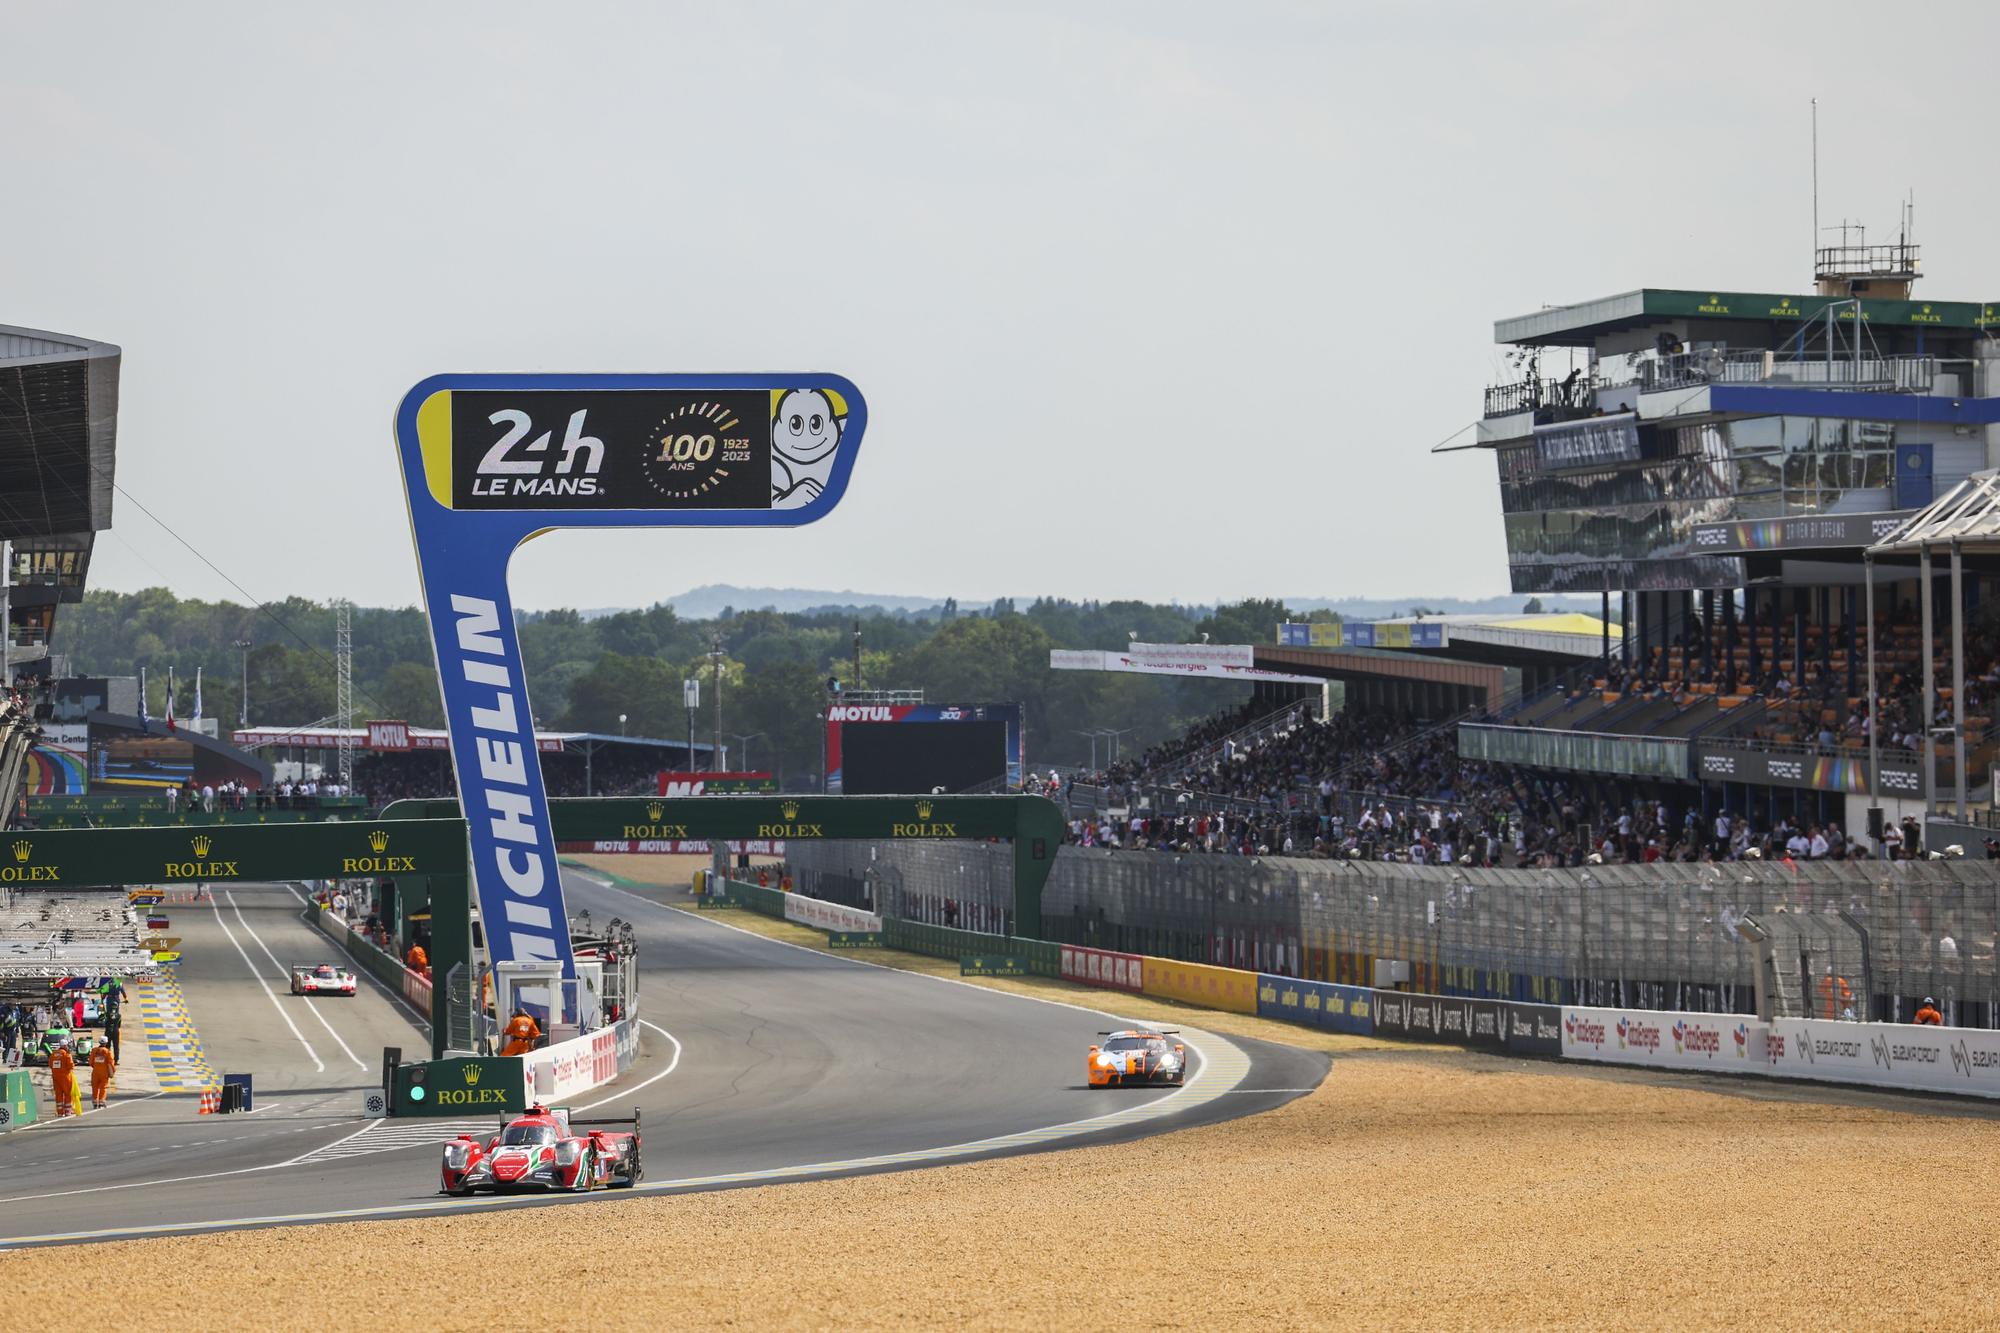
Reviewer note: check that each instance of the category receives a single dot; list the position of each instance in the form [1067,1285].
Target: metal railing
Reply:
[1878,374]
[1538,395]
[1583,751]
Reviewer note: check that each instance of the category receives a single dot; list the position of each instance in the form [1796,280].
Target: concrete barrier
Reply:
[568,1068]
[830,916]
[1224,988]
[1103,967]
[1887,1055]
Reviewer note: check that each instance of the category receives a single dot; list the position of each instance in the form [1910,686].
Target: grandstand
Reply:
[1753,486]
[58,437]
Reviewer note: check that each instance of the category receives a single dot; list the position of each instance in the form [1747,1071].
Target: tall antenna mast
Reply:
[1815,185]
[343,691]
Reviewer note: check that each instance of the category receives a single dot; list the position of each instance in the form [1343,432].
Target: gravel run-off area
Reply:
[1416,1187]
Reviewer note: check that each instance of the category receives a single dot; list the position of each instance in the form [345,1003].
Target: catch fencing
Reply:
[1867,937]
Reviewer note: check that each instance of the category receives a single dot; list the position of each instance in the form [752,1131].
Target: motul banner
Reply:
[672,847]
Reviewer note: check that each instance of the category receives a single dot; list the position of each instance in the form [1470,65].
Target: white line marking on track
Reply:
[301,1158]
[1234,1063]
[72,1119]
[311,1007]
[672,1065]
[318,1064]
[859,962]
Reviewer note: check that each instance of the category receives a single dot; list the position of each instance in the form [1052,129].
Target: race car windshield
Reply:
[516,1136]
[323,971]
[1153,1044]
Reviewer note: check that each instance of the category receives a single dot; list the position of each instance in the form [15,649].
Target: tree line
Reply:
[585,672]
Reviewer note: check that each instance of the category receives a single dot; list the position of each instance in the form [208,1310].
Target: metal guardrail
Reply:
[1660,936]
[1879,374]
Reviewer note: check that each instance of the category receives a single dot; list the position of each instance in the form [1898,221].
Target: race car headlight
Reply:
[1107,1061]
[455,1155]
[1170,1062]
[566,1152]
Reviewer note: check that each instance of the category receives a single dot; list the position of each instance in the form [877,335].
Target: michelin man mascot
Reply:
[806,426]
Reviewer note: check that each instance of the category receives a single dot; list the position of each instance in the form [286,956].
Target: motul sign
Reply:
[389,736]
[861,713]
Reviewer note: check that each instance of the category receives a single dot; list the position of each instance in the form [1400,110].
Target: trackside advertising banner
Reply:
[676,846]
[1724,1043]
[829,916]
[1317,1004]
[1102,967]
[1888,1055]
[489,461]
[1443,1018]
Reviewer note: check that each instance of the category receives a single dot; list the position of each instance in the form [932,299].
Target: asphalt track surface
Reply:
[760,1061]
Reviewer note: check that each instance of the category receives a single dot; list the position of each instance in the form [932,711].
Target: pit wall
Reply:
[384,967]
[562,1071]
[1904,1057]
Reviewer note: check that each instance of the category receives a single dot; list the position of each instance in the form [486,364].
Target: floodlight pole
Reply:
[1930,683]
[1958,673]
[1874,713]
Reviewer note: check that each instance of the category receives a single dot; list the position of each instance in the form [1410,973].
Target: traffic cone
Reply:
[211,1101]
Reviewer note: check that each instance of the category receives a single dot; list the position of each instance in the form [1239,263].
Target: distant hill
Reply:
[1377,608]
[711,599]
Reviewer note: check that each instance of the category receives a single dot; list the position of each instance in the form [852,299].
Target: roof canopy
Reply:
[1968,514]
[1582,324]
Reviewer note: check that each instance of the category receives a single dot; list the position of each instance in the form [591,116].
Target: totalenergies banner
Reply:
[490,461]
[1732,1043]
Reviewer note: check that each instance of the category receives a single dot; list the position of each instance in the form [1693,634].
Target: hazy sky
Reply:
[1152,300]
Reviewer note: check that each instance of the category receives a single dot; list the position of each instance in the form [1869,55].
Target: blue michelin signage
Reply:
[1320,1004]
[491,460]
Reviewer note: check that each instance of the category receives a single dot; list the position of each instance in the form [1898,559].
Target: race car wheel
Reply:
[635,1170]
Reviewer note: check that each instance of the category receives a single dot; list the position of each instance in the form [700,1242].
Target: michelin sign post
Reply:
[492,460]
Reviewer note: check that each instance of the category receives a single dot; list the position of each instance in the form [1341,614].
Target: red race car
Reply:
[545,1150]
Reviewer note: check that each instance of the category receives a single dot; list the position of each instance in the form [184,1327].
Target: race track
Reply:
[760,1061]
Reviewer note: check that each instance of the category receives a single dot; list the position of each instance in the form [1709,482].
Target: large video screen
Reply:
[126,760]
[893,758]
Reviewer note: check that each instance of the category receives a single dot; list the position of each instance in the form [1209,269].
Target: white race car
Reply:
[321,979]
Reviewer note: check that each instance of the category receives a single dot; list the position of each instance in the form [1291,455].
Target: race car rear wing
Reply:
[632,1120]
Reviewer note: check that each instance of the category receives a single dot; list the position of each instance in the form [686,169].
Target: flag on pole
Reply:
[197,696]
[170,700]
[145,718]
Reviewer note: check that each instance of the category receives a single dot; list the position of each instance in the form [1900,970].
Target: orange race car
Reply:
[1136,1056]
